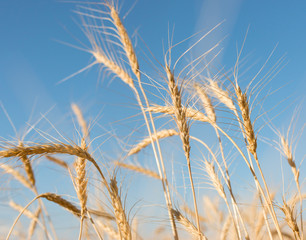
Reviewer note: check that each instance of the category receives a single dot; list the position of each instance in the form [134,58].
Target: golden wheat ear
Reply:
[189,226]
[121,219]
[147,141]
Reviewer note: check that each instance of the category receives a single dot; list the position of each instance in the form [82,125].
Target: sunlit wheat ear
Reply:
[52,197]
[286,150]
[245,113]
[290,217]
[17,175]
[116,69]
[189,226]
[189,112]
[139,169]
[147,141]
[28,168]
[206,101]
[125,40]
[220,94]
[121,219]
[19,208]
[81,181]
[80,164]
[109,230]
[33,223]
[58,161]
[79,115]
[226,228]
[182,124]
[210,169]
[51,148]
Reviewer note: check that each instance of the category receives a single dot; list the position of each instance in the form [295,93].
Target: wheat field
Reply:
[189,162]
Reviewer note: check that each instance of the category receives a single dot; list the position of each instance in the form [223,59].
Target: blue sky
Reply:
[33,61]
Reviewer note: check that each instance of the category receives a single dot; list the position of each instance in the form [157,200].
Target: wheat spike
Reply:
[123,75]
[125,40]
[248,127]
[206,101]
[189,112]
[142,170]
[189,226]
[81,181]
[226,228]
[17,175]
[111,232]
[220,94]
[19,208]
[28,169]
[78,113]
[61,202]
[122,223]
[58,161]
[290,217]
[210,169]
[147,141]
[33,223]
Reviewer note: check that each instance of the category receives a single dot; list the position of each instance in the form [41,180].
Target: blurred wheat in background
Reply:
[190,165]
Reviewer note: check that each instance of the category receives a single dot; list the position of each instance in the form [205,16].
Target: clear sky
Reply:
[32,61]
[33,58]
